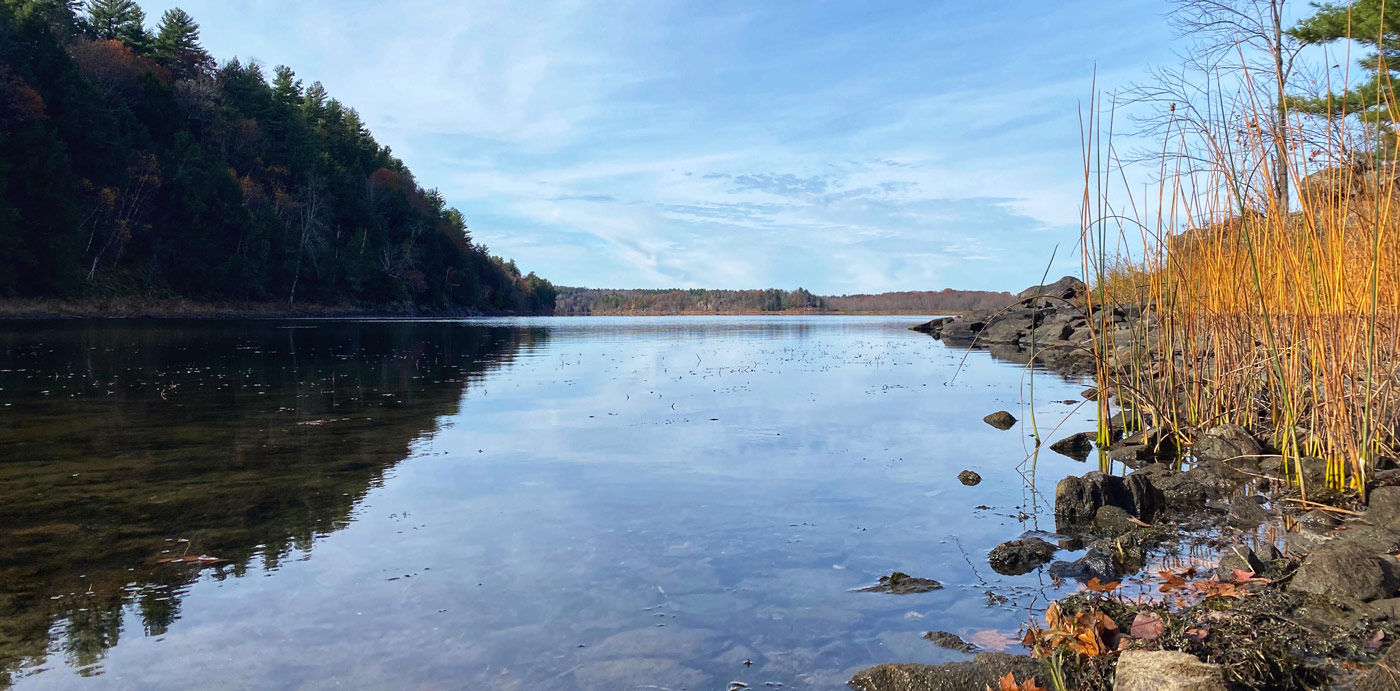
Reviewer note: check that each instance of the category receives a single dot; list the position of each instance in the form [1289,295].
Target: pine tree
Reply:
[1367,22]
[177,43]
[118,20]
[286,88]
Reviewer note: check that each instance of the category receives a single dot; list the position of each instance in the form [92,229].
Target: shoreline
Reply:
[179,308]
[1205,565]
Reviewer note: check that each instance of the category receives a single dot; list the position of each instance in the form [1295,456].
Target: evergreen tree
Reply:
[1367,22]
[177,43]
[118,20]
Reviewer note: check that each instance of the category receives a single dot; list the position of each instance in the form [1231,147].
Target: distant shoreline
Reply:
[132,308]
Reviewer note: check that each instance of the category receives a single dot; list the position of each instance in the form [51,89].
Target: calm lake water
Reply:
[570,503]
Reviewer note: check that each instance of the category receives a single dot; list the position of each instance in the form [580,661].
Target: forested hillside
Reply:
[584,301]
[131,164]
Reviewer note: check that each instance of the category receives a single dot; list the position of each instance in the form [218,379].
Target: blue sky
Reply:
[845,147]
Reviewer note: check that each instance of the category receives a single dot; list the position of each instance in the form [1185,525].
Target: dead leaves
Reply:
[1239,585]
[1098,587]
[1008,683]
[998,641]
[1147,626]
[1087,633]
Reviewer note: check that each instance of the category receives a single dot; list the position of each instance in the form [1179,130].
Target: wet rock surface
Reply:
[969,478]
[1001,420]
[1020,556]
[1077,499]
[900,583]
[951,641]
[1347,570]
[982,672]
[1076,446]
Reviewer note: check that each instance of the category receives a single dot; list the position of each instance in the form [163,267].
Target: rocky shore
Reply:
[1279,593]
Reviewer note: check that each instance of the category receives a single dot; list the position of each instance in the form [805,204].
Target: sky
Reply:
[844,147]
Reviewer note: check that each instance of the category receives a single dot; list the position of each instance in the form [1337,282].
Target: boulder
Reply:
[1020,556]
[1226,442]
[1346,570]
[1001,420]
[933,327]
[1099,561]
[961,331]
[1246,513]
[1067,289]
[1165,670]
[1372,538]
[980,673]
[1181,491]
[969,478]
[1112,520]
[1076,446]
[1077,499]
[1384,507]
[1008,326]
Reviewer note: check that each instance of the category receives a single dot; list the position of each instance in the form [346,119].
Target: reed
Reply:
[1283,320]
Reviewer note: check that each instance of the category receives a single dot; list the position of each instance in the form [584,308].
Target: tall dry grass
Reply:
[1284,320]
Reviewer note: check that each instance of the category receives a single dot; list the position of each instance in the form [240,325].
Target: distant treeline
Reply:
[133,165]
[594,301]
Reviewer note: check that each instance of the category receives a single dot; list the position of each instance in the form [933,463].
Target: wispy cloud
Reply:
[844,147]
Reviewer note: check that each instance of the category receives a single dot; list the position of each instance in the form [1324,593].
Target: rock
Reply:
[1008,326]
[1076,446]
[961,331]
[933,327]
[1385,676]
[900,583]
[943,639]
[1226,442]
[1318,521]
[1165,670]
[1098,562]
[1304,541]
[1246,513]
[969,478]
[1077,499]
[1112,520]
[1020,556]
[1090,394]
[1346,570]
[1372,538]
[1067,289]
[1182,491]
[1238,557]
[1387,609]
[1384,507]
[1001,420]
[979,673]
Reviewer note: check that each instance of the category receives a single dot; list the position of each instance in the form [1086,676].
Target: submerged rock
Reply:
[943,639]
[1246,513]
[1165,670]
[900,583]
[1112,520]
[1020,556]
[1076,446]
[979,673]
[969,478]
[1347,570]
[1001,420]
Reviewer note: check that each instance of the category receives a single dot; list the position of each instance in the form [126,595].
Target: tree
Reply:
[177,43]
[1367,22]
[118,20]
[286,88]
[1234,44]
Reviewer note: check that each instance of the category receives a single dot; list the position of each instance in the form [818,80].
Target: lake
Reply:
[542,503]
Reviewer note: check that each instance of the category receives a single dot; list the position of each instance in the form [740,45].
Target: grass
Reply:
[1283,320]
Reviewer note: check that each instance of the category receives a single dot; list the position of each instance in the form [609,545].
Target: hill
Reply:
[131,165]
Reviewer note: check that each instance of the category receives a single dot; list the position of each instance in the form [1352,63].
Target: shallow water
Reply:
[594,503]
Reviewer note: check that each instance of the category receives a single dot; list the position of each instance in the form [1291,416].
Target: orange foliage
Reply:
[112,67]
[19,102]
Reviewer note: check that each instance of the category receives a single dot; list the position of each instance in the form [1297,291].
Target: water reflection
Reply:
[643,501]
[127,444]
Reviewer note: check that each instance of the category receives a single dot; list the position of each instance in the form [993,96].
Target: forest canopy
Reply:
[132,164]
[585,301]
